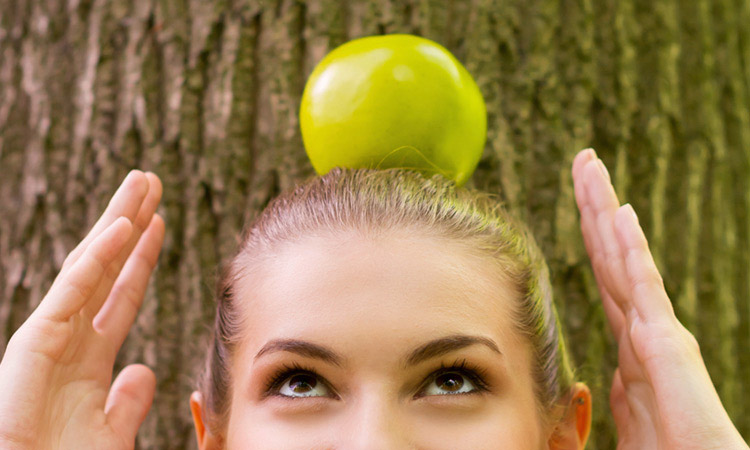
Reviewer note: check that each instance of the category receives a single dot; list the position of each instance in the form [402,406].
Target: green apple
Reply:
[396,100]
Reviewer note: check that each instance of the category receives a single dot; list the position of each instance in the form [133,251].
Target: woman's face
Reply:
[390,342]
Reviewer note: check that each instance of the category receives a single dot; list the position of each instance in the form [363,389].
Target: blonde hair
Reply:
[375,201]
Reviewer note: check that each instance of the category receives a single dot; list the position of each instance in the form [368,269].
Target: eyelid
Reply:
[274,383]
[474,373]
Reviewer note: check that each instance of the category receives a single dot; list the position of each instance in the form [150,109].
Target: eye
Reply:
[301,384]
[448,383]
[459,378]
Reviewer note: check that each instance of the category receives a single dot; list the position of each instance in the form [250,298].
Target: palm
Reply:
[662,396]
[57,368]
[74,378]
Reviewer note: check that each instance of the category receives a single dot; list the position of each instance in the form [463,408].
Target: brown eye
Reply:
[447,383]
[303,385]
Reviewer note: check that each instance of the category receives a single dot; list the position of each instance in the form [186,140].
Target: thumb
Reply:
[129,400]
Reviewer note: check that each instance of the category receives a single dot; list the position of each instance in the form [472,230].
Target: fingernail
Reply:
[122,219]
[603,168]
[629,208]
[132,173]
[590,153]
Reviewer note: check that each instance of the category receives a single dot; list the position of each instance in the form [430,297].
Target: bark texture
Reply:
[205,94]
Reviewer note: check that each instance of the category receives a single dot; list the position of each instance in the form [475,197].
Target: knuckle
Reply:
[15,340]
[100,259]
[690,340]
[674,342]
[648,279]
[40,336]
[80,287]
[597,261]
[140,224]
[658,278]
[69,260]
[127,294]
[149,263]
[112,271]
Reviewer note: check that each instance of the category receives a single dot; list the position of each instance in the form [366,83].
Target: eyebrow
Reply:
[429,350]
[302,348]
[441,346]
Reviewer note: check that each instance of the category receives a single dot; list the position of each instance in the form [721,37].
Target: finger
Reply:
[601,196]
[614,314]
[618,403]
[126,202]
[142,220]
[76,287]
[592,243]
[588,228]
[615,317]
[129,400]
[119,311]
[579,161]
[646,286]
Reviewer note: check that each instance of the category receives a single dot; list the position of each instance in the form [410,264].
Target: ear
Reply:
[572,432]
[206,439]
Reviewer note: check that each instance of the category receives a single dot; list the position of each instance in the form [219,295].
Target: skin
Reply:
[56,371]
[372,302]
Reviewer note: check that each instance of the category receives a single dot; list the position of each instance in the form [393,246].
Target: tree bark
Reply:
[205,94]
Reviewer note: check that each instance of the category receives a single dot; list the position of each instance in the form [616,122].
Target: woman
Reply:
[394,328]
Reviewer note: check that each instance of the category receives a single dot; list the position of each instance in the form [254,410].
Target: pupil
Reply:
[450,381]
[302,383]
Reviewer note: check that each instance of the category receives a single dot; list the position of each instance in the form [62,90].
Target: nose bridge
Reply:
[376,423]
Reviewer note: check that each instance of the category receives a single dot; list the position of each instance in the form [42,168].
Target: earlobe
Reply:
[206,440]
[583,408]
[196,406]
[572,432]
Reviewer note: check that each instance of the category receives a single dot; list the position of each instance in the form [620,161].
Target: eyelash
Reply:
[475,374]
[277,379]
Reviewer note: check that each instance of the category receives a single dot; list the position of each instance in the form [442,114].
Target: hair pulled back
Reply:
[375,201]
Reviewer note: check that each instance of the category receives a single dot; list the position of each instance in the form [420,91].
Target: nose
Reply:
[375,423]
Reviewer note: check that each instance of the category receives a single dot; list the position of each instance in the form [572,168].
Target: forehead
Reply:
[347,286]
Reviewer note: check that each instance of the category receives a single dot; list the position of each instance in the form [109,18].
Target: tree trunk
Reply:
[205,94]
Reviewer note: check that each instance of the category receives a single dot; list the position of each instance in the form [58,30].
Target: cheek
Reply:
[256,427]
[500,425]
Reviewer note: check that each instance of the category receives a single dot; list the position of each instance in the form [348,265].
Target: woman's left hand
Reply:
[662,396]
[56,373]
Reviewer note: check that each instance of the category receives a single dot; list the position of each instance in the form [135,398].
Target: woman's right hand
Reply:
[662,396]
[57,368]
